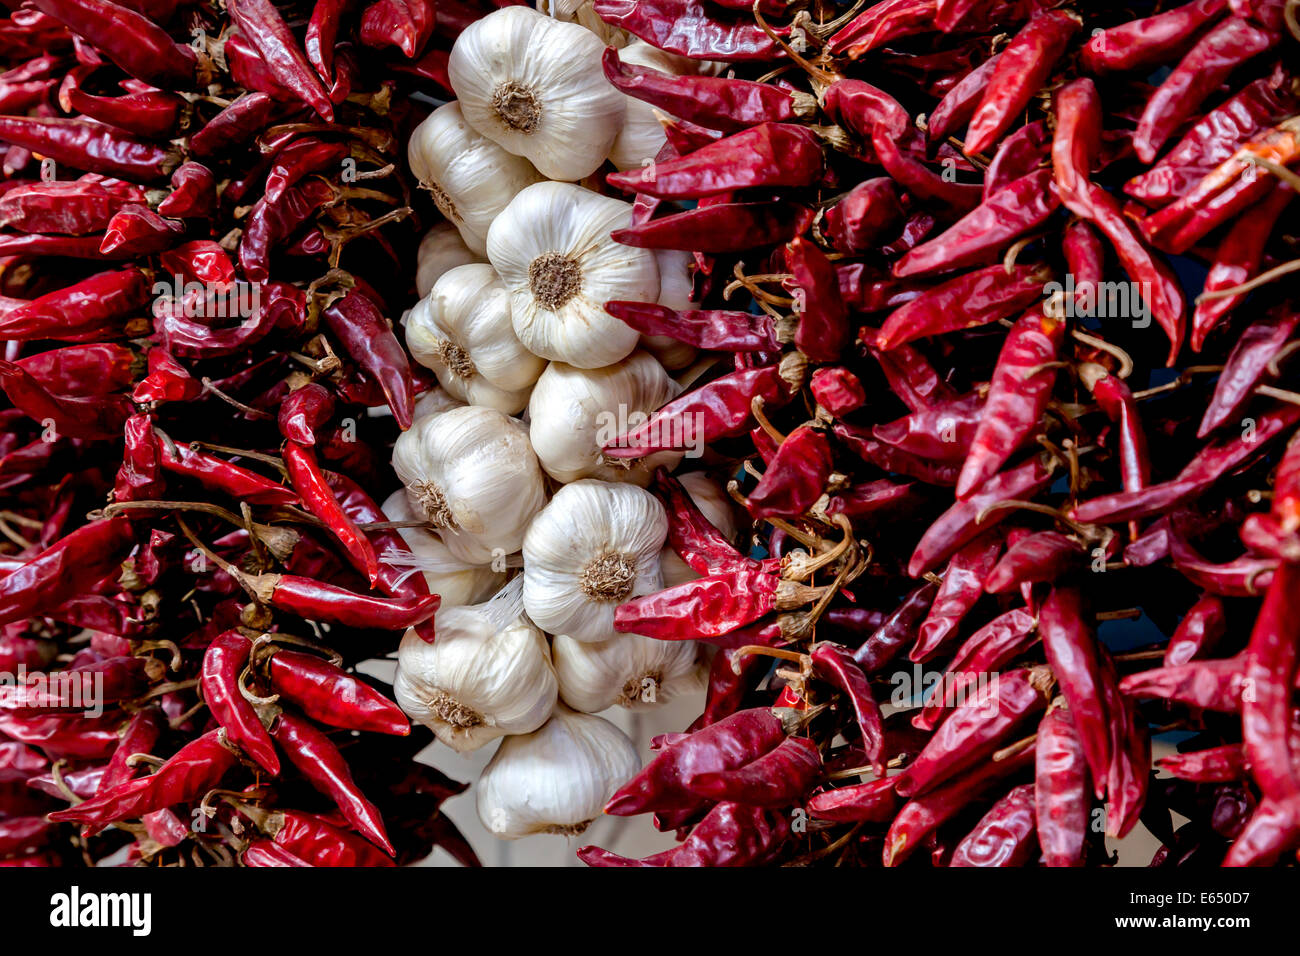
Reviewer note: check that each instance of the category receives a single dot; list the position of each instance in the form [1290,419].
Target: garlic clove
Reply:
[556,780]
[676,269]
[583,13]
[470,177]
[448,576]
[487,675]
[574,413]
[462,331]
[471,472]
[642,135]
[552,249]
[441,250]
[535,86]
[628,670]
[595,545]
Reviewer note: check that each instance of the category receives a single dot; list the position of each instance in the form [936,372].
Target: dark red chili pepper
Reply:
[1022,70]
[837,390]
[332,696]
[796,477]
[188,774]
[1073,654]
[86,306]
[193,195]
[1005,836]
[1020,207]
[1037,558]
[1216,685]
[888,640]
[1272,829]
[715,102]
[1213,765]
[299,159]
[234,125]
[960,102]
[97,683]
[66,569]
[687,28]
[725,227]
[873,802]
[131,40]
[368,337]
[910,375]
[68,208]
[942,431]
[726,745]
[1211,61]
[1018,156]
[319,843]
[319,761]
[778,778]
[963,584]
[1150,41]
[167,381]
[868,213]
[724,330]
[917,178]
[85,738]
[261,24]
[138,231]
[309,481]
[1061,798]
[1198,632]
[318,601]
[836,665]
[94,147]
[1130,763]
[882,23]
[964,302]
[861,108]
[223,664]
[823,330]
[267,853]
[138,736]
[962,521]
[713,605]
[405,24]
[221,475]
[691,535]
[152,114]
[1270,672]
[82,371]
[304,412]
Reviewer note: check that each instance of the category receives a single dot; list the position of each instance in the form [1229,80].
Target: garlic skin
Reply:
[629,671]
[471,178]
[556,780]
[448,576]
[595,545]
[574,413]
[480,680]
[441,250]
[472,474]
[434,402]
[582,13]
[462,331]
[643,135]
[676,269]
[552,249]
[712,499]
[536,87]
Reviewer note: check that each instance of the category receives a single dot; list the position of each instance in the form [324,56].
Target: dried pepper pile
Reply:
[1009,287]
[207,227]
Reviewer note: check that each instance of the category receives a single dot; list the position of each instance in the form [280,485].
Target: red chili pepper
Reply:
[318,601]
[725,227]
[888,639]
[167,381]
[823,330]
[917,178]
[836,665]
[1005,836]
[726,745]
[1061,796]
[963,584]
[234,125]
[368,337]
[223,663]
[1198,632]
[778,778]
[1213,765]
[129,39]
[299,159]
[1149,41]
[710,606]
[1022,70]
[94,147]
[964,302]
[687,28]
[1073,653]
[72,208]
[309,481]
[1270,673]
[138,736]
[1019,155]
[150,113]
[99,683]
[332,696]
[310,838]
[1210,62]
[221,475]
[868,213]
[691,535]
[261,24]
[959,103]
[882,23]
[64,570]
[267,853]
[1130,763]
[837,390]
[192,771]
[715,410]
[723,330]
[1041,557]
[719,103]
[84,307]
[304,412]
[138,231]
[82,371]
[872,802]
[193,195]
[178,325]
[405,24]
[796,477]
[319,761]
[1272,830]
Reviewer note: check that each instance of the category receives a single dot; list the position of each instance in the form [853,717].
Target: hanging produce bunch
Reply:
[1020,470]
[207,224]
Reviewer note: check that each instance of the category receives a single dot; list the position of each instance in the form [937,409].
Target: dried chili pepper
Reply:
[1212,765]
[94,147]
[969,300]
[64,570]
[725,227]
[823,330]
[888,639]
[332,696]
[1005,836]
[223,664]
[261,24]
[963,584]
[221,475]
[368,337]
[704,329]
[778,778]
[713,605]
[836,664]
[309,481]
[1061,798]
[796,477]
[687,28]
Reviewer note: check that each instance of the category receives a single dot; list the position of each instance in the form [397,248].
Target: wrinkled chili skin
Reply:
[704,329]
[318,601]
[836,664]
[368,337]
[332,696]
[964,581]
[776,779]
[823,331]
[320,844]
[223,663]
[713,606]
[796,477]
[971,299]
[687,28]
[888,640]
[309,481]
[726,227]
[1005,836]
[1061,797]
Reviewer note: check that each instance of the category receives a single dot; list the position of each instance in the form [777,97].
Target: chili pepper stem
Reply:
[1264,278]
[1125,360]
[230,400]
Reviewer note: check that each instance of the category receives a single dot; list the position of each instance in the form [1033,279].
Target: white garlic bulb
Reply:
[676,269]
[595,545]
[434,402]
[552,248]
[556,780]
[441,250]
[628,670]
[712,499]
[448,576]
[582,12]
[535,86]
[471,177]
[486,675]
[473,475]
[575,412]
[642,136]
[462,331]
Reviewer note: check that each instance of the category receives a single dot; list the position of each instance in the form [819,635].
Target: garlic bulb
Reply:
[471,177]
[592,547]
[488,674]
[434,402]
[552,249]
[713,500]
[583,12]
[472,474]
[574,413]
[448,576]
[676,269]
[628,670]
[643,135]
[556,780]
[441,250]
[535,86]
[461,330]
